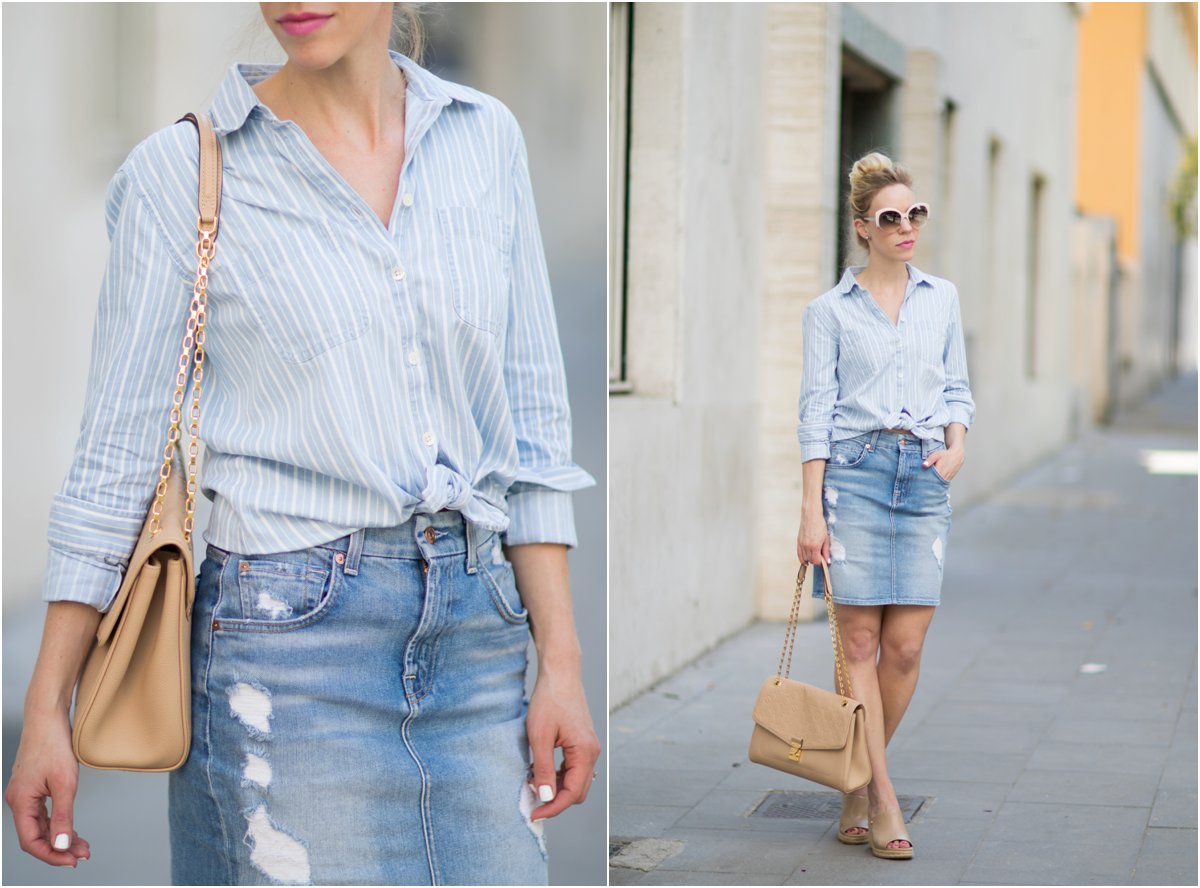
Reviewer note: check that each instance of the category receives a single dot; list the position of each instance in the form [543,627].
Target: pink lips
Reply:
[905,244]
[303,22]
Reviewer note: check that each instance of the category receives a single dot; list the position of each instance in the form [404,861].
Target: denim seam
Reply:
[426,620]
[499,602]
[212,639]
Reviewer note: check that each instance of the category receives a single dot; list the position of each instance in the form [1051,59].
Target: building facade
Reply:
[741,123]
[1137,126]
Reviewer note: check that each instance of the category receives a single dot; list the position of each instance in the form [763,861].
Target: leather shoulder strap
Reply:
[209,202]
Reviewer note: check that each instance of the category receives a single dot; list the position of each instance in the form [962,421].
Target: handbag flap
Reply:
[794,711]
[170,536]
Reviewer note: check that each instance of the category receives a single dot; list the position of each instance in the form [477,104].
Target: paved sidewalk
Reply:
[1033,772]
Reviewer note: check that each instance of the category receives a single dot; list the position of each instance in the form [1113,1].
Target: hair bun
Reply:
[875,162]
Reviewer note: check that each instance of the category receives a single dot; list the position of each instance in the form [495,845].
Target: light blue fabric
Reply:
[862,372]
[355,375]
[888,517]
[358,716]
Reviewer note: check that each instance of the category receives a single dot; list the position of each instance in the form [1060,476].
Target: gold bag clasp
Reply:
[797,750]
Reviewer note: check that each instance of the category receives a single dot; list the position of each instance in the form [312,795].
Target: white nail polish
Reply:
[546,792]
[62,842]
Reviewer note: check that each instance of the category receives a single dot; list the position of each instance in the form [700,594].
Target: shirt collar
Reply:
[235,99]
[850,278]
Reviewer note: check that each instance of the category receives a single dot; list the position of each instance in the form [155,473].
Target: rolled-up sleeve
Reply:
[819,391]
[98,512]
[540,508]
[959,403]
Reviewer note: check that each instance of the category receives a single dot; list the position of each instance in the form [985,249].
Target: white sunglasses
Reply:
[889,218]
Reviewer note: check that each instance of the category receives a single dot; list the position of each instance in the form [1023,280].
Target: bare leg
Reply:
[861,628]
[902,638]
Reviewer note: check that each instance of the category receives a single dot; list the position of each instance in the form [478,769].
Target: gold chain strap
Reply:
[789,637]
[841,673]
[193,342]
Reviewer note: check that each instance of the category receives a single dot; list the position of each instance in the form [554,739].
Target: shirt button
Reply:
[413,357]
[430,534]
[398,273]
[428,439]
[406,200]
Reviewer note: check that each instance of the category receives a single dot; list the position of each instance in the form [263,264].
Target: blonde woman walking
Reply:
[884,413]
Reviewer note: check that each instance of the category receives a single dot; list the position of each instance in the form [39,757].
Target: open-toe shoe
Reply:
[885,828]
[854,813]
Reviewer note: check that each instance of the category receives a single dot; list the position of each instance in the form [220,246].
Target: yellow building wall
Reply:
[1112,47]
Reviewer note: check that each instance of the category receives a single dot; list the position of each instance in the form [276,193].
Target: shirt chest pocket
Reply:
[302,292]
[478,249]
[866,354]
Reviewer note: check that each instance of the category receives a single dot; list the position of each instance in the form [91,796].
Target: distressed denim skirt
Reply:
[888,518]
[358,716]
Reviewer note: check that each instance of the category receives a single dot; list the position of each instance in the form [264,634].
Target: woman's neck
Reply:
[884,274]
[360,97]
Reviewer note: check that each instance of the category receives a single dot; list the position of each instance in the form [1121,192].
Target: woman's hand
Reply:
[947,461]
[558,713]
[812,542]
[558,716]
[45,768]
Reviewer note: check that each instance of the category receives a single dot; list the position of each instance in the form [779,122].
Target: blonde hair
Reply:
[870,174]
[408,32]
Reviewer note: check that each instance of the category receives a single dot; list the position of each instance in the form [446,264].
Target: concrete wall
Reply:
[683,444]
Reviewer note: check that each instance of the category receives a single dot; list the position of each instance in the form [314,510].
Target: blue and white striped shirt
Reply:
[862,372]
[354,374]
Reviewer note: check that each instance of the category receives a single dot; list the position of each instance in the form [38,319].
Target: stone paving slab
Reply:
[716,851]
[1051,863]
[1167,857]
[1033,771]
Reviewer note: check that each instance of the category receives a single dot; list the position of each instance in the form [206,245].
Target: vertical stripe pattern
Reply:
[862,372]
[356,373]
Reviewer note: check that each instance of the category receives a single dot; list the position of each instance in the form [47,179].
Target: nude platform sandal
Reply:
[854,813]
[889,827]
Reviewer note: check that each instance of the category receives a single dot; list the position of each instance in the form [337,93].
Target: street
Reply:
[1052,737]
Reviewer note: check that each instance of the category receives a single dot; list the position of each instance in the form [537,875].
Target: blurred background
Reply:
[1055,143]
[83,84]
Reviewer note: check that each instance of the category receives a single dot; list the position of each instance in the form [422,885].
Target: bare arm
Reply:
[812,543]
[45,765]
[558,713]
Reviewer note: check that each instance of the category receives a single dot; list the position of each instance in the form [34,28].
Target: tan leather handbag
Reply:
[806,730]
[133,706]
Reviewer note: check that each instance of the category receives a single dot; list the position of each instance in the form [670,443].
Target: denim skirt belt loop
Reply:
[359,716]
[888,518]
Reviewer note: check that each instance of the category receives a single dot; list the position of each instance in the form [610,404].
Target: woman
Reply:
[884,414]
[388,456]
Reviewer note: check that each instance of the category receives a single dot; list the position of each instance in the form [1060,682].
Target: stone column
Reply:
[803,106]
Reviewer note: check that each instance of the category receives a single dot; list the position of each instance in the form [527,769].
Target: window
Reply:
[619,42]
[1037,187]
[945,209]
[867,124]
